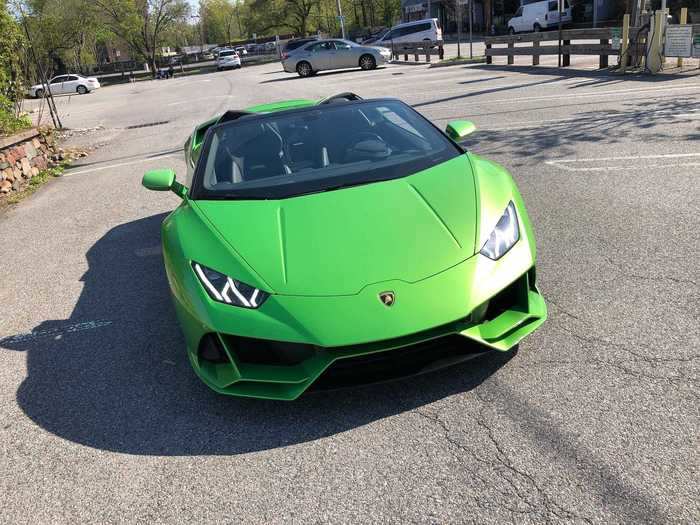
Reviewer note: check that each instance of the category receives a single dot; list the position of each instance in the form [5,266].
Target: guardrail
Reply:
[419,48]
[603,48]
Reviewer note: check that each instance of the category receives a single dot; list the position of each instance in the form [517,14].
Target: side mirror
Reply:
[163,180]
[159,180]
[458,129]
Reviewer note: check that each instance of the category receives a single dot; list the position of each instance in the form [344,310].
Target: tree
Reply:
[220,20]
[12,45]
[63,31]
[141,23]
[299,12]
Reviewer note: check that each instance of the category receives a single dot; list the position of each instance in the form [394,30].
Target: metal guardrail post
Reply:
[489,58]
[566,57]
[603,63]
[535,56]
[511,57]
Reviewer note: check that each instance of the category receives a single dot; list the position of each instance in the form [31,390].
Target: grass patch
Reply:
[36,182]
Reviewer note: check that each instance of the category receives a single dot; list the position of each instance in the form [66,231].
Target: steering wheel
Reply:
[373,146]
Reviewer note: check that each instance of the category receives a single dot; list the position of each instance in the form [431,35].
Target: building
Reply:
[493,15]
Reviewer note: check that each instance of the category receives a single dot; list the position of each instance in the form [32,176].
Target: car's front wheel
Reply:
[537,28]
[511,30]
[367,62]
[39,93]
[304,69]
[82,90]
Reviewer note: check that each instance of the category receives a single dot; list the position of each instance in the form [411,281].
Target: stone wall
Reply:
[23,156]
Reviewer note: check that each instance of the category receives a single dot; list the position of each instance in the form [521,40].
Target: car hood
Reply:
[338,242]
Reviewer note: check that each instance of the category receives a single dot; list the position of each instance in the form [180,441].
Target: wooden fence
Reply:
[603,48]
[418,49]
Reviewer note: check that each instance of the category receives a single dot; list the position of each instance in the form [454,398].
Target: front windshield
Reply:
[317,149]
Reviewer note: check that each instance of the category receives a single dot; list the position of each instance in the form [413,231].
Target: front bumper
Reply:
[270,353]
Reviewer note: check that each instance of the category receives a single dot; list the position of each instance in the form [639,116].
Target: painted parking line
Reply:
[445,104]
[120,164]
[55,333]
[584,164]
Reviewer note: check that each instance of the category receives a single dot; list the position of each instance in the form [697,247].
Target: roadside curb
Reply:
[449,63]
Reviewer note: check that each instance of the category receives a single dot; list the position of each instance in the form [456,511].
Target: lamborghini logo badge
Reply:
[387,298]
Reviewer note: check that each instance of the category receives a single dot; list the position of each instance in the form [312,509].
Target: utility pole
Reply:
[595,13]
[471,18]
[561,4]
[341,18]
[459,27]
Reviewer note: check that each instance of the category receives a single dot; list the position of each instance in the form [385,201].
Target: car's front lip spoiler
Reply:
[279,382]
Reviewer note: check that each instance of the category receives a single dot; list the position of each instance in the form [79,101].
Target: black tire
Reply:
[367,62]
[39,93]
[82,90]
[511,30]
[536,28]
[304,69]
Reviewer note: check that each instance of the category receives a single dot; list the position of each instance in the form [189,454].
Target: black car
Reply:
[298,42]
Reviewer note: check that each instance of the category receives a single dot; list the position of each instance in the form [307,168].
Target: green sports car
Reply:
[320,237]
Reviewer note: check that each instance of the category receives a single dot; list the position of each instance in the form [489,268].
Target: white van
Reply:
[412,32]
[538,15]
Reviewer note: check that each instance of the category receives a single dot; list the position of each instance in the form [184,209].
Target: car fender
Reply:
[495,188]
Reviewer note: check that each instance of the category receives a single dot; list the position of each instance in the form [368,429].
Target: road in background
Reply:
[594,419]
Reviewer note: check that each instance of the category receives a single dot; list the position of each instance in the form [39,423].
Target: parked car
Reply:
[313,233]
[412,32]
[241,50]
[66,84]
[321,55]
[207,56]
[296,43]
[227,59]
[536,16]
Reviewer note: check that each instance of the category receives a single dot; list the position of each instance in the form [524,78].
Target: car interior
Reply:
[314,144]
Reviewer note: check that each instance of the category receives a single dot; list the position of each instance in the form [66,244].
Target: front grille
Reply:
[513,297]
[401,362]
[266,352]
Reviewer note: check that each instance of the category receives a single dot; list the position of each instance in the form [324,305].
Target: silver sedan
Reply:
[321,55]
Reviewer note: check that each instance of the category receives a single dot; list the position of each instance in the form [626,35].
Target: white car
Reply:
[228,58]
[536,16]
[66,85]
[411,32]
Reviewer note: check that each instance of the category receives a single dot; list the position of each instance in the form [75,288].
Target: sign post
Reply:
[679,41]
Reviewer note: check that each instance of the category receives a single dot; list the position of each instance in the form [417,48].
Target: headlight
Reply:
[504,235]
[224,289]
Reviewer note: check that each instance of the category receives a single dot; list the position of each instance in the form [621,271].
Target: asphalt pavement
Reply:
[594,419]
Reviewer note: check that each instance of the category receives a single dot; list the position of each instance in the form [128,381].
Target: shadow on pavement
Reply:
[581,73]
[294,76]
[629,123]
[115,375]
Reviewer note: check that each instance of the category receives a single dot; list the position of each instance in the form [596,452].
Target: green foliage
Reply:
[300,17]
[142,23]
[12,43]
[65,33]
[36,182]
[10,120]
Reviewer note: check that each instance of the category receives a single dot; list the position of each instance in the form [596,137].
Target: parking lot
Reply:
[594,419]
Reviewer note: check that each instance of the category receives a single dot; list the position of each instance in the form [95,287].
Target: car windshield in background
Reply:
[317,149]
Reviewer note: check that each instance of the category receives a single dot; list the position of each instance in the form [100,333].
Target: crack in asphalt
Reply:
[625,347]
[626,273]
[545,507]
